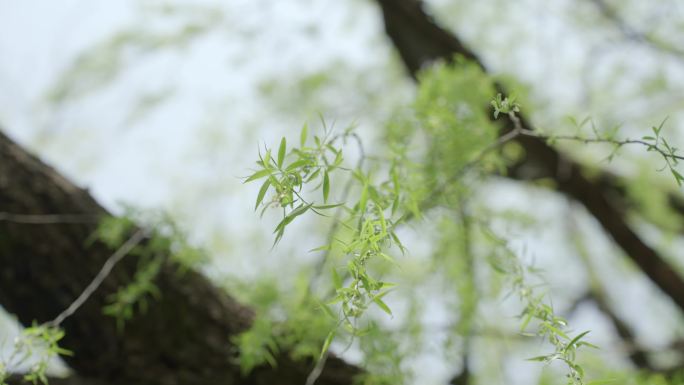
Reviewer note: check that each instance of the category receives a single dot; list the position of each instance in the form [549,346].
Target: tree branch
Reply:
[421,41]
[182,338]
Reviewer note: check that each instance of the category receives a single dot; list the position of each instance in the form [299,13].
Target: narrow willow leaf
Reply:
[326,186]
[571,344]
[299,210]
[257,175]
[337,280]
[278,236]
[320,248]
[326,207]
[383,223]
[382,305]
[556,330]
[364,198]
[268,159]
[388,258]
[338,298]
[313,175]
[526,322]
[281,152]
[587,344]
[678,177]
[585,120]
[268,356]
[303,134]
[338,158]
[297,164]
[395,204]
[398,242]
[327,310]
[262,193]
[326,344]
[660,127]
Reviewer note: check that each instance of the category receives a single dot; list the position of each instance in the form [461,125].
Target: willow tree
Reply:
[413,222]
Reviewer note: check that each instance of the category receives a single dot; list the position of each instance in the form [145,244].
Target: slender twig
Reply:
[99,278]
[318,369]
[338,213]
[615,142]
[320,364]
[48,219]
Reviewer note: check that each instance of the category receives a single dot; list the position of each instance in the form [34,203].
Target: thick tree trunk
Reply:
[421,41]
[183,338]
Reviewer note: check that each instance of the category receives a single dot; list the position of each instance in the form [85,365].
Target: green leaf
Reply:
[262,193]
[325,207]
[320,248]
[584,121]
[571,344]
[660,127]
[387,258]
[257,175]
[303,134]
[301,209]
[382,305]
[279,236]
[326,186]
[267,159]
[539,358]
[526,322]
[398,242]
[337,280]
[587,344]
[338,159]
[364,198]
[281,152]
[678,177]
[313,175]
[383,222]
[297,164]
[556,331]
[327,310]
[336,299]
[326,344]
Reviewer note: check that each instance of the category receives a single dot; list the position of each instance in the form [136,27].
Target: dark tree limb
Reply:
[420,41]
[636,354]
[183,338]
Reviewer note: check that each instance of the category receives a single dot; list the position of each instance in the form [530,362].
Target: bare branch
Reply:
[48,219]
[99,278]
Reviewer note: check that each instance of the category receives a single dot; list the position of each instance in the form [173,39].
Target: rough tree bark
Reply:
[420,41]
[183,338]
